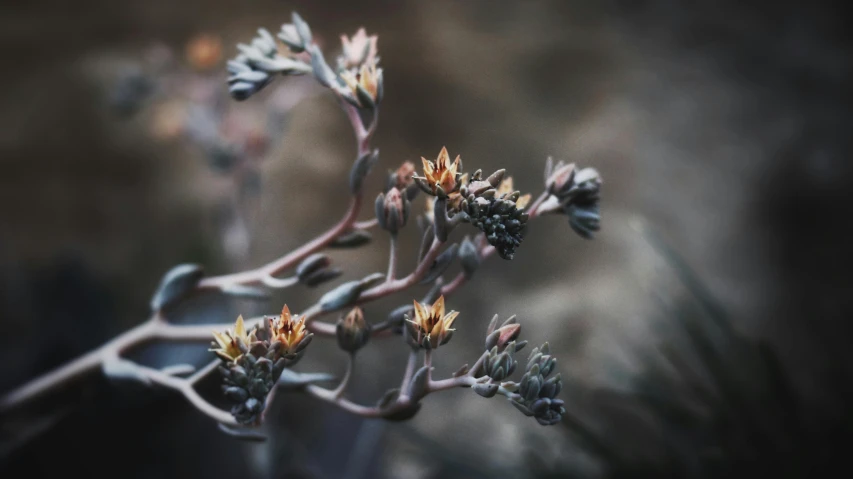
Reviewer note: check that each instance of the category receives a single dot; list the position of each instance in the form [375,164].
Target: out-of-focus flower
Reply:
[232,344]
[204,51]
[168,121]
[358,50]
[431,327]
[441,177]
[365,84]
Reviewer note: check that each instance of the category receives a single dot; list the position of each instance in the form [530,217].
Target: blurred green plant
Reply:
[712,402]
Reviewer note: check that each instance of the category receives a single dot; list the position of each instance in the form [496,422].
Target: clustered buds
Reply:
[498,213]
[253,68]
[431,327]
[578,194]
[536,392]
[253,361]
[352,331]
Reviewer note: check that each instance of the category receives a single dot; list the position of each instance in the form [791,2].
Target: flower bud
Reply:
[352,331]
[560,178]
[392,210]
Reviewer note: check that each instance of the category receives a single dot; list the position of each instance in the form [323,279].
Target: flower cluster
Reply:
[535,394]
[252,361]
[490,204]
[577,192]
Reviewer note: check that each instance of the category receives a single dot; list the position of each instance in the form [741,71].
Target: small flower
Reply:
[365,84]
[506,189]
[358,50]
[204,52]
[403,179]
[290,333]
[231,345]
[352,331]
[440,176]
[431,327]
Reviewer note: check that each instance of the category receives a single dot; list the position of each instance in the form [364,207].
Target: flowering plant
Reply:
[255,357]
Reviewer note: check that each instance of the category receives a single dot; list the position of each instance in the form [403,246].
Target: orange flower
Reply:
[431,327]
[440,176]
[288,331]
[204,51]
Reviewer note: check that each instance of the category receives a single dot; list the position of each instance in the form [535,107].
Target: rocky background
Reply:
[722,128]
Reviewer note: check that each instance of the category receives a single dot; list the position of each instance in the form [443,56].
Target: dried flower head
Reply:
[431,327]
[358,50]
[441,177]
[232,344]
[365,84]
[290,332]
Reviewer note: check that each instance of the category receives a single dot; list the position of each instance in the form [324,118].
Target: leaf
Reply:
[418,386]
[441,264]
[291,380]
[176,284]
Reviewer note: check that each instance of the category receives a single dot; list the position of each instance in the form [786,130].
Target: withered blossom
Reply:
[431,327]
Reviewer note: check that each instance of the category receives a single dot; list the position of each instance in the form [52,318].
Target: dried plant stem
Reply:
[410,370]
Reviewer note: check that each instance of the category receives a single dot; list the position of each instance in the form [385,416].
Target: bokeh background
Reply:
[722,132]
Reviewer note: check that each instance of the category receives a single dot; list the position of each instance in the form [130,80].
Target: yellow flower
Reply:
[230,345]
[365,84]
[431,327]
[506,189]
[359,49]
[440,174]
[288,331]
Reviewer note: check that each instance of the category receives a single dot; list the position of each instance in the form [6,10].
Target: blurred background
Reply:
[703,333]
